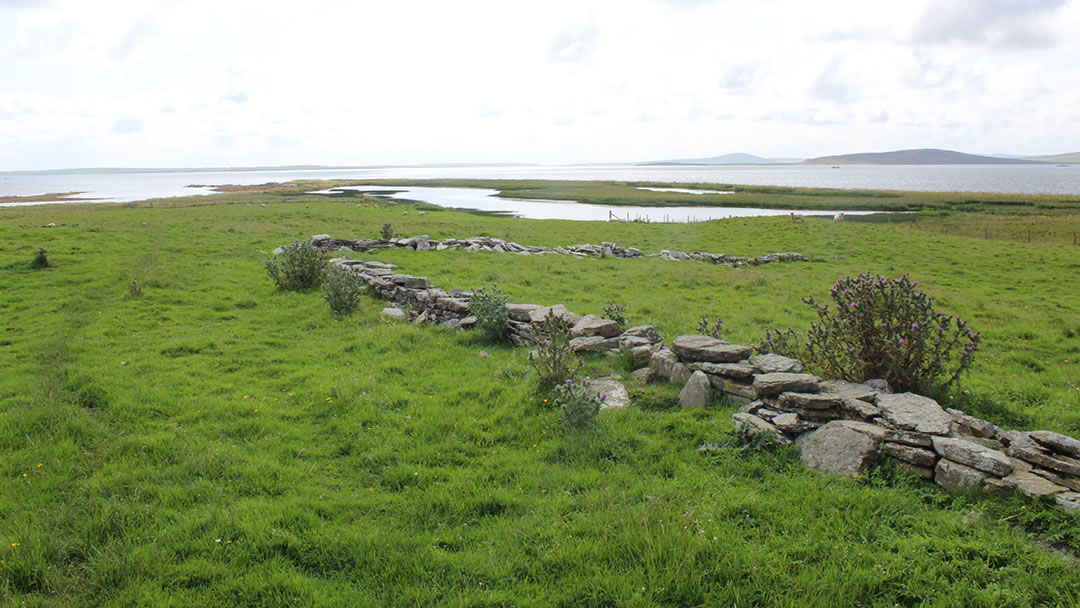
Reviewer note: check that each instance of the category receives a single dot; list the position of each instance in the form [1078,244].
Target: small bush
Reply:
[135,289]
[298,266]
[41,260]
[714,330]
[615,312]
[387,232]
[554,360]
[578,404]
[882,328]
[342,289]
[492,317]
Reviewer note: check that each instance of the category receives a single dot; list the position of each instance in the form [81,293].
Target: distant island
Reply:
[921,156]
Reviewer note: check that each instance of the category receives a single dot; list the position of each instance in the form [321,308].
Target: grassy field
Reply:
[213,441]
[629,193]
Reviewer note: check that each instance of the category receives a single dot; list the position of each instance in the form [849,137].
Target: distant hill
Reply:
[1072,157]
[922,156]
[738,158]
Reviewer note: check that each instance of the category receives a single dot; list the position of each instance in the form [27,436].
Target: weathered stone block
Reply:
[838,449]
[772,363]
[703,348]
[593,325]
[973,455]
[810,401]
[911,412]
[1056,442]
[850,390]
[781,382]
[738,371]
[917,456]
[956,477]
[697,392]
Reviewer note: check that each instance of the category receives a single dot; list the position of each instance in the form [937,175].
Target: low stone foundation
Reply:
[839,427]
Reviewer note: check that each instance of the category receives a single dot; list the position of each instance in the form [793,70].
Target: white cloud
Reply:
[206,82]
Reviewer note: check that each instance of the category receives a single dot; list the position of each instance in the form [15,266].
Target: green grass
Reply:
[628,193]
[214,441]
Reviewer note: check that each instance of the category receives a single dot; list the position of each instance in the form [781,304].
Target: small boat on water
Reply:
[1064,165]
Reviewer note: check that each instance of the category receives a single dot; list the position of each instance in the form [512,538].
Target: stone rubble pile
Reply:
[484,243]
[842,427]
[839,427]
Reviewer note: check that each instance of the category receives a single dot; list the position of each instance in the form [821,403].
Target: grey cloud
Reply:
[127,124]
[237,97]
[1000,24]
[573,44]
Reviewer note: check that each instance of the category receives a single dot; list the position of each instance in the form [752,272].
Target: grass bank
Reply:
[212,441]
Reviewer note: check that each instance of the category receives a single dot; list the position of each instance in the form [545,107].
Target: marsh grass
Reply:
[217,441]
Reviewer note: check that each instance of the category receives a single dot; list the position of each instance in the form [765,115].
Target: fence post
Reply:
[987,234]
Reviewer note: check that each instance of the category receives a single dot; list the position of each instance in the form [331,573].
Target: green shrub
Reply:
[882,328]
[342,289]
[298,266]
[387,232]
[41,260]
[492,317]
[553,360]
[579,405]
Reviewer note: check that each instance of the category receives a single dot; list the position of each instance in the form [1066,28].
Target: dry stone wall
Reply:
[839,427]
[424,242]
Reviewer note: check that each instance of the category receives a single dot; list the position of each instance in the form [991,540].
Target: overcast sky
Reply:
[156,83]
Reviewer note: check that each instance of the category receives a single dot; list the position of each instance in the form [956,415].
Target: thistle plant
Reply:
[554,359]
[615,312]
[882,328]
[579,405]
[492,317]
[714,330]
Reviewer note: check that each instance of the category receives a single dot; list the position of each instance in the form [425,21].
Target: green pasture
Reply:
[211,440]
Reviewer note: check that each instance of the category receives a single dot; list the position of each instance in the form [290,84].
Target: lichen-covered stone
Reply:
[771,363]
[781,382]
[811,401]
[711,350]
[837,449]
[956,477]
[697,392]
[1062,444]
[973,455]
[911,412]
[917,456]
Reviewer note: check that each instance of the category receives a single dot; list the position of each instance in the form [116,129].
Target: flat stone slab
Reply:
[917,456]
[592,343]
[520,312]
[1060,464]
[858,407]
[781,382]
[1070,501]
[911,412]
[921,440]
[837,449]
[850,390]
[1032,485]
[973,455]
[772,363]
[704,348]
[593,325]
[1062,444]
[537,315]
[971,425]
[644,331]
[613,393]
[738,371]
[810,401]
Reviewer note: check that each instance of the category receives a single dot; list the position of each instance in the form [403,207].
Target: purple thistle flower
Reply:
[900,340]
